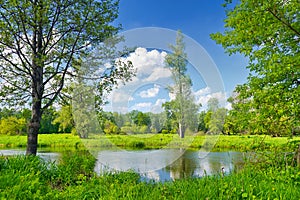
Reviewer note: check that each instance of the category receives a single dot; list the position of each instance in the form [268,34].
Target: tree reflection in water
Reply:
[191,163]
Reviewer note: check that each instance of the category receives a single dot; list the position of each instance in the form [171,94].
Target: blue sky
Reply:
[196,19]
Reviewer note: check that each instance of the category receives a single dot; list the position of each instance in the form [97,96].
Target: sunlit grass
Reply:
[44,140]
[158,141]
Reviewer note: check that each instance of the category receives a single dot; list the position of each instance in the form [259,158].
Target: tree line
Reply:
[213,120]
[13,122]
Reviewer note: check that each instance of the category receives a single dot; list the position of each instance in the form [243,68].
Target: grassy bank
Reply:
[44,140]
[155,141]
[31,178]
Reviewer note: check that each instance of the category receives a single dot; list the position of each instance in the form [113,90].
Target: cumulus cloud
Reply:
[150,69]
[152,92]
[203,95]
[158,73]
[150,65]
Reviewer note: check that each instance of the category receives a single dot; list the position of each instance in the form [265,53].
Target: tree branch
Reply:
[283,21]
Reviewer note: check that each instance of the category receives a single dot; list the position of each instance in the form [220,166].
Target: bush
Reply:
[137,144]
[13,126]
[110,128]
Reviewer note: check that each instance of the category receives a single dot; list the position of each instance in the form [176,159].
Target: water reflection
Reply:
[159,168]
[47,156]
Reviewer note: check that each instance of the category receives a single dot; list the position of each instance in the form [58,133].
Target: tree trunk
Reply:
[34,125]
[181,130]
[37,85]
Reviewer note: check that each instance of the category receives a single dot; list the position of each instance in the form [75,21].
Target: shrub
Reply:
[137,144]
[110,128]
[13,126]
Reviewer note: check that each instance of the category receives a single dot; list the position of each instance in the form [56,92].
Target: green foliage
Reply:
[14,122]
[47,125]
[134,129]
[142,119]
[13,126]
[68,30]
[65,119]
[267,32]
[110,128]
[202,122]
[213,120]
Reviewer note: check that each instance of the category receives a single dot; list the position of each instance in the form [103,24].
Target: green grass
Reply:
[24,177]
[156,141]
[44,140]
[220,142]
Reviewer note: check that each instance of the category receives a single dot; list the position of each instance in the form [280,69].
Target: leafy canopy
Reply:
[268,33]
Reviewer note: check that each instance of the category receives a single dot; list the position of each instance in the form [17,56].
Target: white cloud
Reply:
[159,72]
[203,95]
[145,106]
[152,92]
[157,107]
[149,64]
[150,69]
[149,106]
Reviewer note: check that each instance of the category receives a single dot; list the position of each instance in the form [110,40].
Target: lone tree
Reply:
[183,108]
[39,42]
[268,33]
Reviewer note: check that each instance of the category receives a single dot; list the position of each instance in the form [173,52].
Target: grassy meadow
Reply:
[156,141]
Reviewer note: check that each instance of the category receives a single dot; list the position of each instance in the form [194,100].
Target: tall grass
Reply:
[24,177]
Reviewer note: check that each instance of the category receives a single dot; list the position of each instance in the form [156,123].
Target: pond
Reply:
[159,165]
[169,164]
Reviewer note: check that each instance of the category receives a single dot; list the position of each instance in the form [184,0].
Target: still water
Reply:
[158,165]
[169,164]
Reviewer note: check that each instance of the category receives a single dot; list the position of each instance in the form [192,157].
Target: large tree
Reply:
[183,108]
[39,41]
[268,33]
